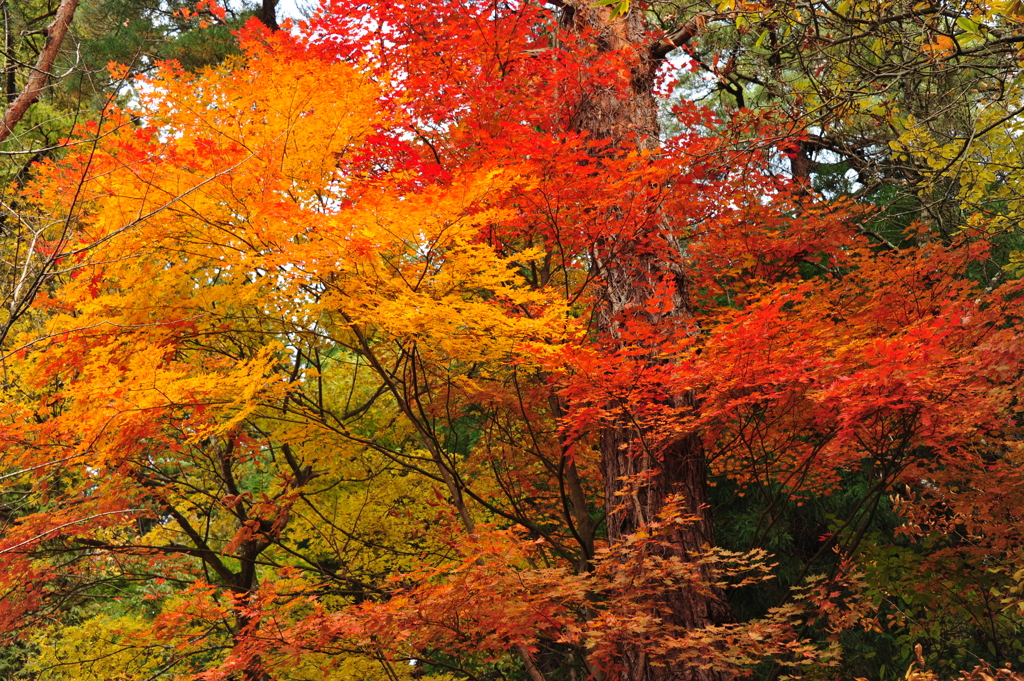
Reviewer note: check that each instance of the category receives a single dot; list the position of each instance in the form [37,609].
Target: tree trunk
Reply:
[631,270]
[603,111]
[268,14]
[40,73]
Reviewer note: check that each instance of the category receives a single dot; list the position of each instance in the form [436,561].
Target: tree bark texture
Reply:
[55,33]
[639,479]
[603,111]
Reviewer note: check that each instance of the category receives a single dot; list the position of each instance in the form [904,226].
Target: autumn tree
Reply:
[910,109]
[409,338]
[55,77]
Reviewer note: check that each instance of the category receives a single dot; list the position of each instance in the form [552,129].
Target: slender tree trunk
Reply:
[40,73]
[631,270]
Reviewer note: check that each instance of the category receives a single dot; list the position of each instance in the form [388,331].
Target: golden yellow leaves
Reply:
[412,267]
[242,280]
[99,649]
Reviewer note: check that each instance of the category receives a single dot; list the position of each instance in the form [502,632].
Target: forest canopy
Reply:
[520,340]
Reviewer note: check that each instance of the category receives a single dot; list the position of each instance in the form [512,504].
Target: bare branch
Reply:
[682,35]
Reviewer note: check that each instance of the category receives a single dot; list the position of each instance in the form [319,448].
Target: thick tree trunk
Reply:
[268,14]
[630,271]
[603,111]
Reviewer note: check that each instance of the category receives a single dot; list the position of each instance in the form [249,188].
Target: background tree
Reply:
[910,109]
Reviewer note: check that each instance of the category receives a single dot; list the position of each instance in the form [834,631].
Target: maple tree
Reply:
[911,108]
[406,338]
[55,56]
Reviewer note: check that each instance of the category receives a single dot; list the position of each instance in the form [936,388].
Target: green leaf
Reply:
[967,25]
[621,8]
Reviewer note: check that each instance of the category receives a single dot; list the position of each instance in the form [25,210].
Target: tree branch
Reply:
[55,33]
[682,35]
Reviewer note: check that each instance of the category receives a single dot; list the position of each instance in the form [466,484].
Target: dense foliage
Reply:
[403,344]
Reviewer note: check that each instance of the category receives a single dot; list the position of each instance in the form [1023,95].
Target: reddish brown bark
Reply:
[603,111]
[626,114]
[55,33]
